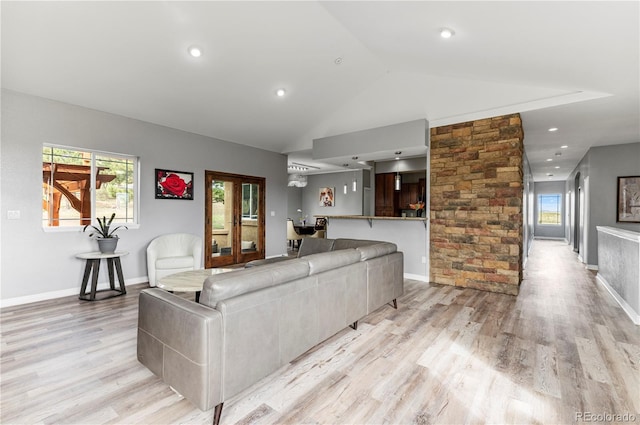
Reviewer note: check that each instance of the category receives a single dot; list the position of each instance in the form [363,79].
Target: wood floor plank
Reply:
[445,356]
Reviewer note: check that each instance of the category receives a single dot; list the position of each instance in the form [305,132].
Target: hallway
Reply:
[560,351]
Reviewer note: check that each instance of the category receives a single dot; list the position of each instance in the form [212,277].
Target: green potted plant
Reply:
[104,234]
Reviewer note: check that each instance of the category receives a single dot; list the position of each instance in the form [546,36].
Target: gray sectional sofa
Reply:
[251,322]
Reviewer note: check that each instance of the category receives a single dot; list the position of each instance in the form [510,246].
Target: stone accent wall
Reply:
[476,204]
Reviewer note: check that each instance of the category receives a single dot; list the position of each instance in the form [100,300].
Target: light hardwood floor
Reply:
[446,356]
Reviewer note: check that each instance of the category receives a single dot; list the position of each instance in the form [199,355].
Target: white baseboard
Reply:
[419,277]
[633,315]
[9,302]
[549,238]
[592,267]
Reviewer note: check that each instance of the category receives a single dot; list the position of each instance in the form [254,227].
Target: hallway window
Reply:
[550,209]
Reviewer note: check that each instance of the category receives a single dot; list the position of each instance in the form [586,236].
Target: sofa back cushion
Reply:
[352,243]
[311,246]
[376,250]
[319,263]
[223,286]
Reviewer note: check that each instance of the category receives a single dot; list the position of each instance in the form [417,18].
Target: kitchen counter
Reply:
[371,218]
[410,234]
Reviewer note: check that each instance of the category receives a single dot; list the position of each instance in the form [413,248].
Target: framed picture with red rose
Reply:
[174,184]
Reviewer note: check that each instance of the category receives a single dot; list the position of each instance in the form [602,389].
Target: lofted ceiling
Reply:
[345,66]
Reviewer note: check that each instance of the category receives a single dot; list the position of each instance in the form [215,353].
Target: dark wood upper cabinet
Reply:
[386,197]
[389,202]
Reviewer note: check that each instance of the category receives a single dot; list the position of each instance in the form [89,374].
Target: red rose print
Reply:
[174,185]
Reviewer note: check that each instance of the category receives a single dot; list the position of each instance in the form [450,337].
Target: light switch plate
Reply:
[13,215]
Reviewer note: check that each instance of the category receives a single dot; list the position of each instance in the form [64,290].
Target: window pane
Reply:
[249,200]
[66,191]
[549,209]
[115,190]
[72,179]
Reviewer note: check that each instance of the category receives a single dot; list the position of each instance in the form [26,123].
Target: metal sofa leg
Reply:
[395,303]
[216,414]
[354,325]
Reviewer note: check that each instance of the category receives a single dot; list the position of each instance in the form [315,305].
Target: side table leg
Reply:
[85,278]
[120,275]
[110,269]
[94,279]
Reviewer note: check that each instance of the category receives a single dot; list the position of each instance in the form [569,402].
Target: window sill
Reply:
[70,229]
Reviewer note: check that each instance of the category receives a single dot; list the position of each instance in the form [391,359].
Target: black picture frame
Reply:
[628,205]
[171,184]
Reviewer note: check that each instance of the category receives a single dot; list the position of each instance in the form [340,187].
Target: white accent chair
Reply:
[292,235]
[173,253]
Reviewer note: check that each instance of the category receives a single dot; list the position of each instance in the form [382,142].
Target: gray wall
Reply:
[527,209]
[602,166]
[35,262]
[349,204]
[548,231]
[294,201]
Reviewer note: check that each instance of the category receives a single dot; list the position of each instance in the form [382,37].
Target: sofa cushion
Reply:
[247,245]
[376,250]
[352,243]
[311,246]
[321,262]
[223,286]
[265,261]
[174,262]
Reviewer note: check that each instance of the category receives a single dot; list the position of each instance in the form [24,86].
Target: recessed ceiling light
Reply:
[549,159]
[564,147]
[195,51]
[552,129]
[280,92]
[338,61]
[446,32]
[557,167]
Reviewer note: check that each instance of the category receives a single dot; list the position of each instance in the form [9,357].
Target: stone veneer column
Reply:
[476,204]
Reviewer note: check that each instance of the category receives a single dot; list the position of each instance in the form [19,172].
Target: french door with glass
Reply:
[234,218]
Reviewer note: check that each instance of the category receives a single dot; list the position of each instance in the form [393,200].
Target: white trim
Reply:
[621,233]
[633,315]
[419,277]
[549,238]
[9,302]
[592,267]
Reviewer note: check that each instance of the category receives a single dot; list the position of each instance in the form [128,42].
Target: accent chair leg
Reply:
[354,325]
[395,303]
[217,413]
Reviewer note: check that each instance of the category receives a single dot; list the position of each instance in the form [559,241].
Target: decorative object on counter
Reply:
[326,197]
[628,199]
[104,234]
[174,184]
[418,207]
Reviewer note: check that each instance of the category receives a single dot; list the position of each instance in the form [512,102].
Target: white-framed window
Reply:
[550,209]
[79,185]
[249,201]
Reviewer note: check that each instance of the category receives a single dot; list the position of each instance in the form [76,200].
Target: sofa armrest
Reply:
[181,342]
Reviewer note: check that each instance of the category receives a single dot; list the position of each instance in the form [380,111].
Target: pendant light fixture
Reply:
[398,179]
[354,185]
[345,188]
